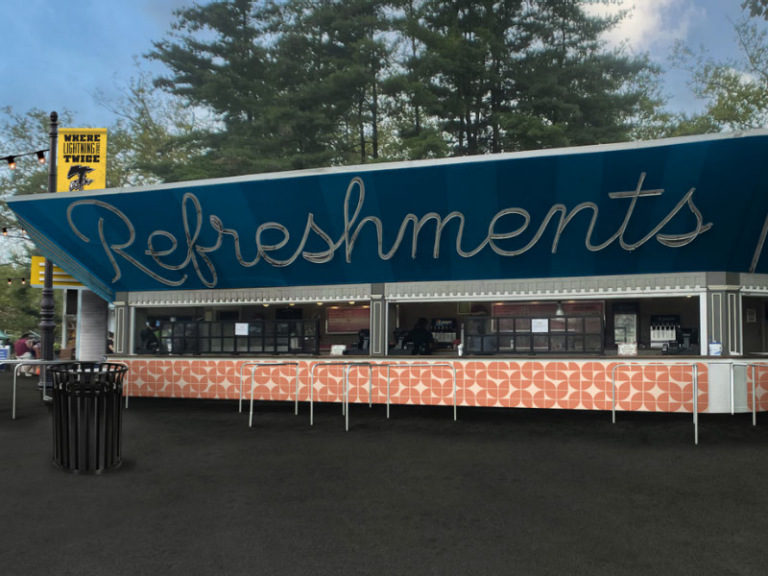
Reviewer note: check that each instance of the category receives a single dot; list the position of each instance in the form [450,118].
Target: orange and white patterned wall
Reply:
[585,385]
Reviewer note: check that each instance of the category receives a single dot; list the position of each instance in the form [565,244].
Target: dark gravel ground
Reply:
[498,492]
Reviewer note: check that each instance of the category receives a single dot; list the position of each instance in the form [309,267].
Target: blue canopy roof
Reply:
[685,204]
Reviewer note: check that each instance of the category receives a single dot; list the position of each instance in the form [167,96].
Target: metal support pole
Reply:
[47,304]
[455,403]
[613,397]
[695,376]
[297,389]
[311,394]
[754,395]
[346,397]
[733,400]
[388,373]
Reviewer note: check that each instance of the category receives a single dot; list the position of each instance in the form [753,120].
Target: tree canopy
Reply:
[304,84]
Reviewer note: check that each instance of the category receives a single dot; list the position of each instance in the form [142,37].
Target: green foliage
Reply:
[305,84]
[20,304]
[735,90]
[757,8]
[154,135]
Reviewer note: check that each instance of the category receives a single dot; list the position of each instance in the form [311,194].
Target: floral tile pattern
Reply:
[761,388]
[580,385]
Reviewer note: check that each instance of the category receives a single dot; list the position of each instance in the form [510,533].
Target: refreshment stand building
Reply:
[534,271]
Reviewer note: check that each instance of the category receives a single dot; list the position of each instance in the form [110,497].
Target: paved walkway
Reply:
[499,492]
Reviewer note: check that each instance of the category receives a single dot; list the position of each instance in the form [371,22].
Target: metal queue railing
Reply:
[695,380]
[255,366]
[344,411]
[371,366]
[746,365]
[732,366]
[21,363]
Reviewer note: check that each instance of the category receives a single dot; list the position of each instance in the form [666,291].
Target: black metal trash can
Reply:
[87,416]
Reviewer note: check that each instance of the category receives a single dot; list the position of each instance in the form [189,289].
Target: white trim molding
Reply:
[298,294]
[648,285]
[754,284]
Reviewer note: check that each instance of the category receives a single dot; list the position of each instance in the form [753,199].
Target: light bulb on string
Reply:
[41,157]
[11,162]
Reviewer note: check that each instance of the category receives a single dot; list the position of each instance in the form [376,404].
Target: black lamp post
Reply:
[47,304]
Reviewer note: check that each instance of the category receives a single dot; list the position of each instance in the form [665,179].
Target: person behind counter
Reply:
[149,341]
[423,341]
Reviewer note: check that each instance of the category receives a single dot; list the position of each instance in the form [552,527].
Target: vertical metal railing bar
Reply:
[754,394]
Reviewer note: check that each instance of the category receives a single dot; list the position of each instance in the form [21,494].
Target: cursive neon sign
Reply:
[499,229]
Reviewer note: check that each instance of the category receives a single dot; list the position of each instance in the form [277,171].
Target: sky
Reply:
[57,55]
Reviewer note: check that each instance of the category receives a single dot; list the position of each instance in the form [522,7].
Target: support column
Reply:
[724,311]
[122,325]
[379,341]
[92,326]
[704,324]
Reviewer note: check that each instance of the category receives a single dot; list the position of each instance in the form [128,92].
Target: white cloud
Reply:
[651,25]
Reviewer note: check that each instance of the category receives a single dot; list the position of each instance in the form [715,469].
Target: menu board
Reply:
[348,319]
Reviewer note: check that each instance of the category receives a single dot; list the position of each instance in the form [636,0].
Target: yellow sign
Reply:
[60,278]
[82,159]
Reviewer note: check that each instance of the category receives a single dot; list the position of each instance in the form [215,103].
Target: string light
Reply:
[5,231]
[11,280]
[12,159]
